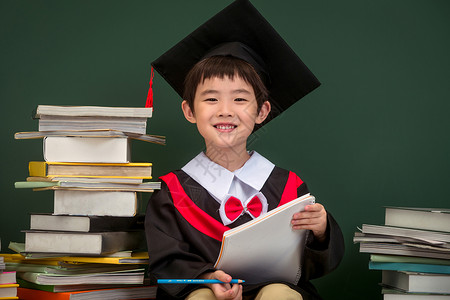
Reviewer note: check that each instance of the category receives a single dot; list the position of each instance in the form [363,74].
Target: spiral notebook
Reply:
[266,248]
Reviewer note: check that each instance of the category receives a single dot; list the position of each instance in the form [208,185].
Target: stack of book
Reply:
[412,250]
[8,282]
[118,276]
[96,188]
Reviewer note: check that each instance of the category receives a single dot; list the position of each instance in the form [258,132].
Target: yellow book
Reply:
[133,258]
[101,170]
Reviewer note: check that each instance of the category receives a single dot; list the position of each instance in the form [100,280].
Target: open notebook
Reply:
[266,248]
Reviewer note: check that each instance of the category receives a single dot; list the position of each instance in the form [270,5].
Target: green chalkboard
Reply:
[375,133]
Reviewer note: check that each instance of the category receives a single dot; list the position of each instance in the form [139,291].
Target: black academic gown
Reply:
[177,249]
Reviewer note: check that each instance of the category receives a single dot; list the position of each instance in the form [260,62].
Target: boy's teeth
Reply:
[225,126]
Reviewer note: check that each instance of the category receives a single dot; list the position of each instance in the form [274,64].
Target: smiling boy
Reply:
[228,90]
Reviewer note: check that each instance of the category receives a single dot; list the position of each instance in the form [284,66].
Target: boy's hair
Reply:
[221,66]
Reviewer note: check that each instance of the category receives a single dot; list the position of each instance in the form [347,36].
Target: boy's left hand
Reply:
[313,218]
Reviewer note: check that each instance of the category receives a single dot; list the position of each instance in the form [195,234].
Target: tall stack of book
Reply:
[87,164]
[412,250]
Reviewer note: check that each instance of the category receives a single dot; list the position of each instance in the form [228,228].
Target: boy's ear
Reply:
[263,113]
[187,111]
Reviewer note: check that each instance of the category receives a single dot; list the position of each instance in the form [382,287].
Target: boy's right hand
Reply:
[223,291]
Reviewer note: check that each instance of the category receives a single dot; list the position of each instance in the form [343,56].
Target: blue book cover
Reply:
[410,267]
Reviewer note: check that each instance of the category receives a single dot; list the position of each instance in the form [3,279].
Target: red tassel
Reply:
[149,102]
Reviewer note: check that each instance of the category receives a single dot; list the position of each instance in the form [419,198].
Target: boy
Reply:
[225,94]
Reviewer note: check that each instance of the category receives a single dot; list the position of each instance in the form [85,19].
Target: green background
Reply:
[374,134]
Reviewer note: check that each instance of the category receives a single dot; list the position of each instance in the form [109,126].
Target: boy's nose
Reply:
[225,110]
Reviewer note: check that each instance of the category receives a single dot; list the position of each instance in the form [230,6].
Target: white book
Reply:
[99,203]
[82,243]
[61,123]
[91,133]
[417,282]
[87,149]
[396,295]
[122,277]
[425,236]
[8,277]
[83,111]
[266,248]
[420,218]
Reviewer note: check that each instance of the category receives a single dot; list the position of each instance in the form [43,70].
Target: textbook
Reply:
[90,133]
[74,184]
[90,111]
[135,276]
[133,170]
[394,294]
[87,149]
[99,203]
[8,277]
[69,287]
[417,282]
[114,258]
[81,243]
[426,236]
[50,222]
[64,123]
[420,218]
[8,291]
[410,267]
[142,292]
[266,248]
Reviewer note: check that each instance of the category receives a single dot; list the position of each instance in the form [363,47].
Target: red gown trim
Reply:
[191,212]
[290,190]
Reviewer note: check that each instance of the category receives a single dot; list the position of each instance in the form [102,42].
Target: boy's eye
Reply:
[240,99]
[211,99]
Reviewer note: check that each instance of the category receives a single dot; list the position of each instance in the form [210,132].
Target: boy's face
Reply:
[225,111]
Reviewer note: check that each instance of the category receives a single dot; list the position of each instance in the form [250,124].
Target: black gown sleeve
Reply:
[171,255]
[322,258]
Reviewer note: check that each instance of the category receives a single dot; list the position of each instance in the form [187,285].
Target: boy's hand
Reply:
[313,218]
[223,291]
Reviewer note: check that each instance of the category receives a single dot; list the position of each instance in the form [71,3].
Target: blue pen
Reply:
[196,281]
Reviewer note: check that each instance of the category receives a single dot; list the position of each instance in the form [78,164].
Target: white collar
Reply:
[217,180]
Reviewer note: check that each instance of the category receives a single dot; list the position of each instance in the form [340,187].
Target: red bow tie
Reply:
[234,208]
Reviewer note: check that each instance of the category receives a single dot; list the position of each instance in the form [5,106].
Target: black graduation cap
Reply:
[240,30]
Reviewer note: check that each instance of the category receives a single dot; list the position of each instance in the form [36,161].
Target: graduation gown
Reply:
[183,231]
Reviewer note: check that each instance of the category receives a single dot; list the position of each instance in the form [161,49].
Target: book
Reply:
[8,277]
[410,267]
[87,149]
[65,123]
[90,133]
[85,243]
[408,259]
[87,111]
[437,219]
[129,277]
[417,282]
[74,184]
[8,291]
[46,221]
[400,249]
[266,248]
[426,236]
[68,287]
[99,203]
[391,294]
[67,169]
[143,292]
[115,258]
[86,179]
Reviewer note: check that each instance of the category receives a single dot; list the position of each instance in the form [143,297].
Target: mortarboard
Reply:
[240,30]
